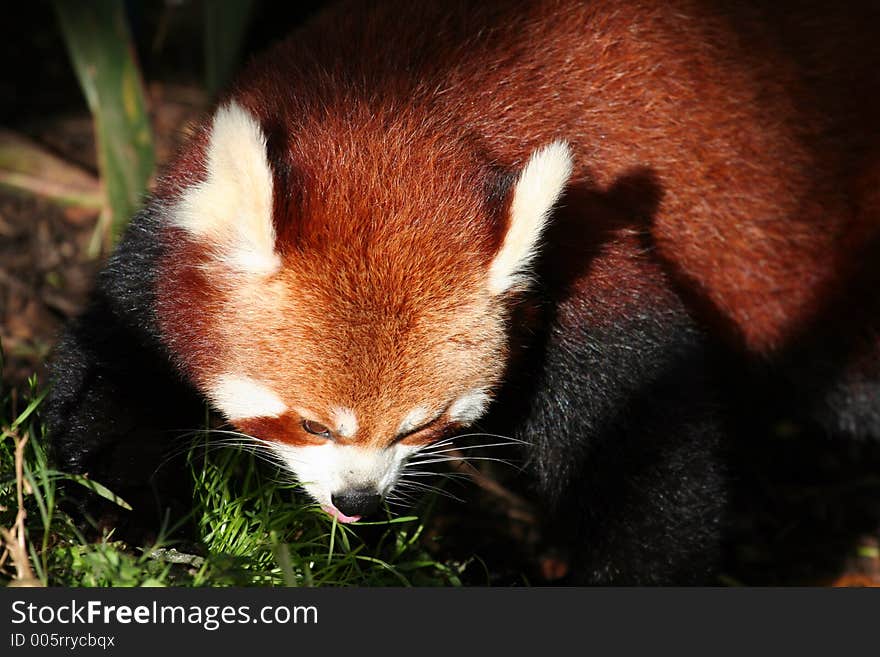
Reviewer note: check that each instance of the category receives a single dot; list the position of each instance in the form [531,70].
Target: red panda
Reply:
[586,223]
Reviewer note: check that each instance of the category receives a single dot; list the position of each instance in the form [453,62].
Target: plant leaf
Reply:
[99,43]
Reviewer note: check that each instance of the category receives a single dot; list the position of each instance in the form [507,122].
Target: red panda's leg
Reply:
[625,432]
[116,404]
[627,454]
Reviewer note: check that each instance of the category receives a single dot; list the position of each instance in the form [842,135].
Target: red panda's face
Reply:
[358,325]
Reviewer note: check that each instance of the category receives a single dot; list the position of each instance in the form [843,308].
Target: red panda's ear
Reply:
[536,191]
[231,210]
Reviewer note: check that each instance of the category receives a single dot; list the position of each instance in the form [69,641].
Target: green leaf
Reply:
[99,43]
[100,489]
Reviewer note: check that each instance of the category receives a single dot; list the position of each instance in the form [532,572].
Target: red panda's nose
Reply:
[356,502]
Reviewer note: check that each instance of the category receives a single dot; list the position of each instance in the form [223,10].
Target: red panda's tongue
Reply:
[339,515]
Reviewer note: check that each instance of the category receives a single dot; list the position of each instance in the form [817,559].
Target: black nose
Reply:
[356,502]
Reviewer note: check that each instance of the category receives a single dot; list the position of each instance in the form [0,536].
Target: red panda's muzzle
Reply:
[352,505]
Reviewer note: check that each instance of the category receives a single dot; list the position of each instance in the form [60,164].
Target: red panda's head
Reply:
[345,302]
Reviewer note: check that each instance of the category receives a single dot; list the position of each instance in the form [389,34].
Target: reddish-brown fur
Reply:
[393,132]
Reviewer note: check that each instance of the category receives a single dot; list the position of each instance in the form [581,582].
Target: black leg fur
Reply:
[117,404]
[627,455]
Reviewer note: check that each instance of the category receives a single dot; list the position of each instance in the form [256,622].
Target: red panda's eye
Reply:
[429,428]
[316,428]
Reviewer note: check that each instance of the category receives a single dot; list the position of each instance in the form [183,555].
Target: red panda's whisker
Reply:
[452,454]
[447,459]
[460,480]
[401,498]
[440,443]
[212,445]
[458,449]
[259,451]
[418,486]
[262,449]
[439,449]
[475,434]
[426,473]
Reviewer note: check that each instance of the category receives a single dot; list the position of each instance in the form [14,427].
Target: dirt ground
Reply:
[45,267]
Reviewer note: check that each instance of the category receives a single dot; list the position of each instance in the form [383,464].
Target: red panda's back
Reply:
[756,125]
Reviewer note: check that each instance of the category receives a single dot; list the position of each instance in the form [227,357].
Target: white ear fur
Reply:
[240,397]
[538,188]
[232,208]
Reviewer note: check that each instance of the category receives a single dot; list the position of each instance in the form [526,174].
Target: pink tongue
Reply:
[339,515]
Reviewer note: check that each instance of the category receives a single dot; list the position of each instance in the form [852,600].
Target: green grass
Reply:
[251,529]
